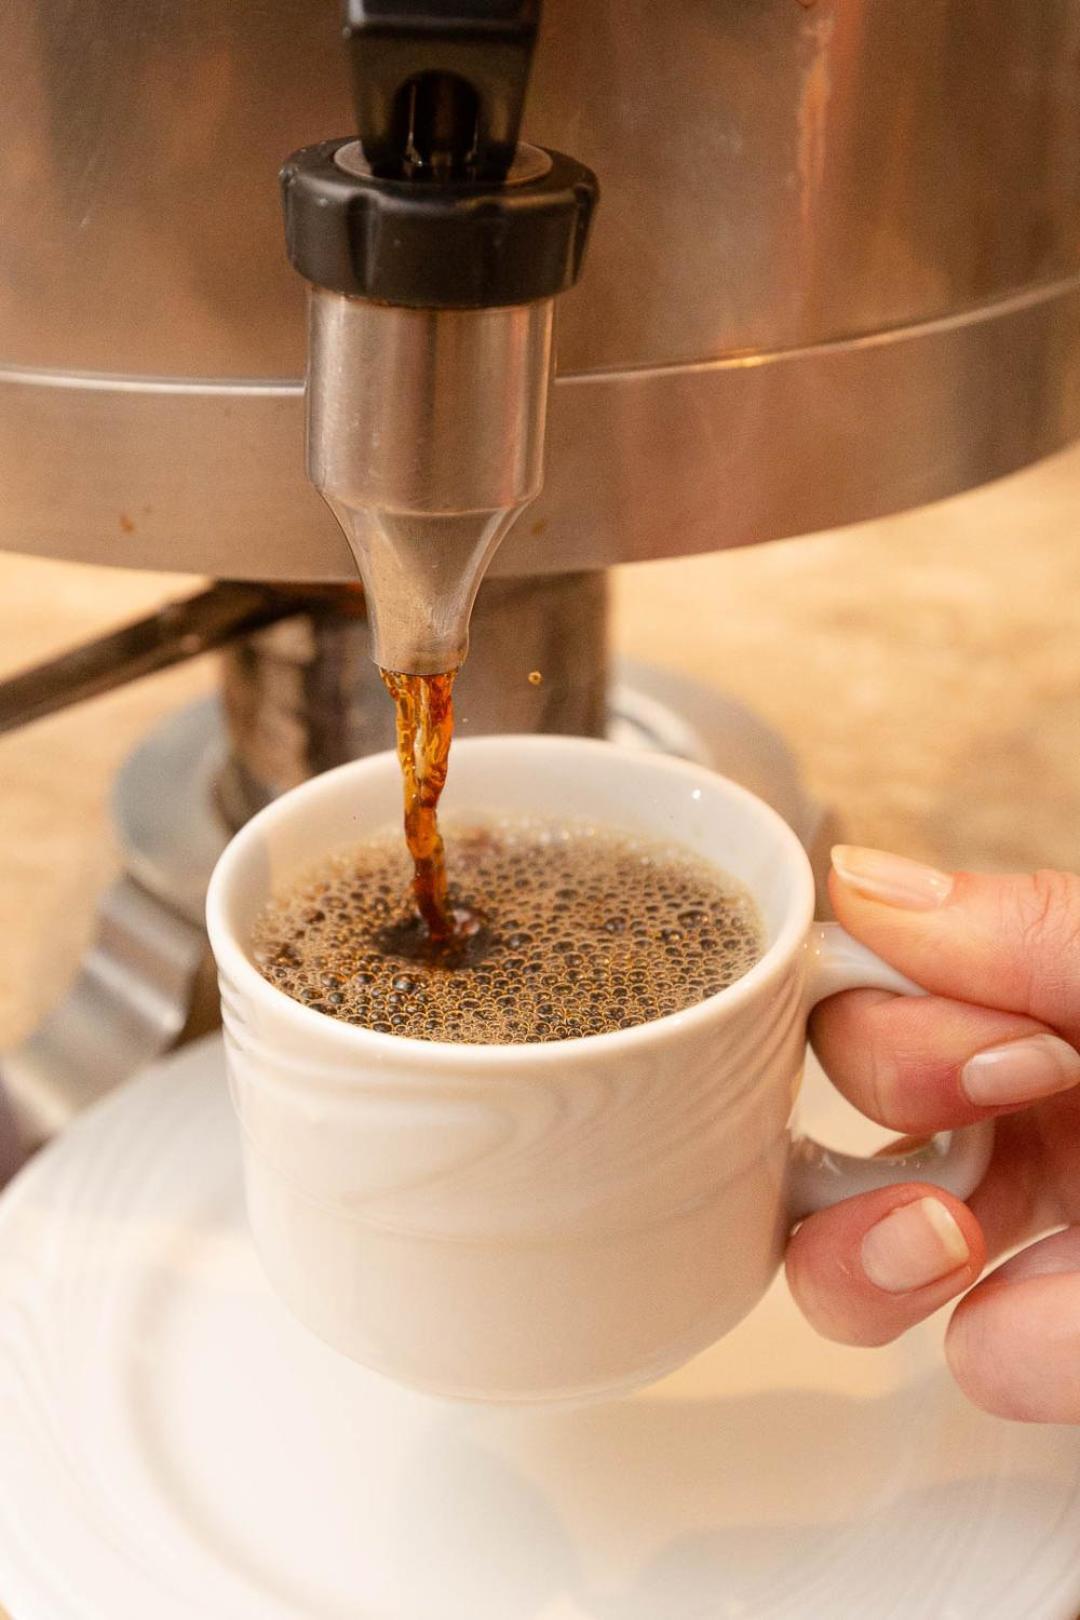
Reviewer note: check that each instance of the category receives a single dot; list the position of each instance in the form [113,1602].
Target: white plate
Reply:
[175,1447]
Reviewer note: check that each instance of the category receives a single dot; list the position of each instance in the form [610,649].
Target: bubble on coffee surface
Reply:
[577,930]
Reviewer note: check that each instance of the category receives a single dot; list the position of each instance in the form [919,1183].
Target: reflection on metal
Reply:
[425,434]
[834,273]
[640,464]
[133,995]
[165,807]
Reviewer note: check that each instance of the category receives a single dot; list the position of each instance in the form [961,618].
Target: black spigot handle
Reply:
[439,85]
[425,210]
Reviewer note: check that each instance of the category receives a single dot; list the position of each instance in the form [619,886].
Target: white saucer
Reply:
[174,1447]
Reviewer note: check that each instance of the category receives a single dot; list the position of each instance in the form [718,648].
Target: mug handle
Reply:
[821,1177]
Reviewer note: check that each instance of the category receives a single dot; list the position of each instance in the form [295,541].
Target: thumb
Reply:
[1011,942]
[1013,1342]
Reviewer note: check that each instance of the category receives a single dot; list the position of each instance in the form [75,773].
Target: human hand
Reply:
[996,1036]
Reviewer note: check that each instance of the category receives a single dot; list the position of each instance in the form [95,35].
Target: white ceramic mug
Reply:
[541,1221]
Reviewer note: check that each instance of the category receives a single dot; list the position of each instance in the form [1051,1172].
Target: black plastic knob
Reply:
[457,245]
[436,205]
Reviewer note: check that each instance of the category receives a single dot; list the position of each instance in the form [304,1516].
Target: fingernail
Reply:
[892,879]
[914,1245]
[1019,1071]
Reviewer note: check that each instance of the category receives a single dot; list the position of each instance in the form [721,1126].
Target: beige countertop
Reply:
[925,668]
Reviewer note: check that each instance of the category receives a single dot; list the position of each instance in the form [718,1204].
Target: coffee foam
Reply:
[584,930]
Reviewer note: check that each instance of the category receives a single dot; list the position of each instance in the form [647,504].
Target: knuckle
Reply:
[1048,906]
[906,1079]
[1046,927]
[856,1049]
[862,1065]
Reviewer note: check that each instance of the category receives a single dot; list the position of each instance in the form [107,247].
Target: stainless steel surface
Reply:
[425,435]
[530,163]
[835,272]
[167,811]
[132,998]
[639,464]
[304,695]
[180,631]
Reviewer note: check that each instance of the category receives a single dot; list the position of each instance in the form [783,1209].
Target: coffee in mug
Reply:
[567,929]
[551,1219]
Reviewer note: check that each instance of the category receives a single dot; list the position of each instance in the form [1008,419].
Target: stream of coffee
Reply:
[425,728]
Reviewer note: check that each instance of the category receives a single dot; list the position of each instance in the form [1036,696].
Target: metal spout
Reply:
[426,437]
[421,572]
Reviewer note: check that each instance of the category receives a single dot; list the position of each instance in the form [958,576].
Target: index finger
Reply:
[1010,942]
[929,1064]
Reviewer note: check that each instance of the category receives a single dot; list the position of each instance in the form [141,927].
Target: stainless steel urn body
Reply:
[835,271]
